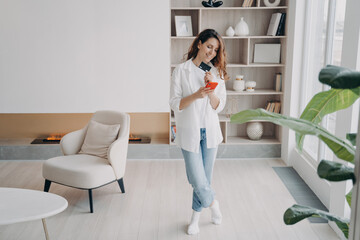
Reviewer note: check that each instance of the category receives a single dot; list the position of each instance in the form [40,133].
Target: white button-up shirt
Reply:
[188,119]
[200,103]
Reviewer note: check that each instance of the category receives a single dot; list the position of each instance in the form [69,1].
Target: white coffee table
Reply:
[20,205]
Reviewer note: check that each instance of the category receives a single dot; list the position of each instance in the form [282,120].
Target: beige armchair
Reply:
[89,171]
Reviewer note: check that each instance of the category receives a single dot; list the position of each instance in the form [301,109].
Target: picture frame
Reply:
[267,53]
[183,26]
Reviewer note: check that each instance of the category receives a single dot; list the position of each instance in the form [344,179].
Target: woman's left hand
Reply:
[208,77]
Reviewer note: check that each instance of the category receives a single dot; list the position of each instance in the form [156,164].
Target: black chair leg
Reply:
[121,185]
[47,185]
[91,201]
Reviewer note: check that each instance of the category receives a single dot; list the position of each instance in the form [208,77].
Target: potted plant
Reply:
[344,92]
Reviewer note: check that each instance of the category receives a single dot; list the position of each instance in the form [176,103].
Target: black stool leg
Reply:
[47,185]
[91,201]
[121,185]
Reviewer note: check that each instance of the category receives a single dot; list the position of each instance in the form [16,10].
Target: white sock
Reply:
[194,224]
[216,216]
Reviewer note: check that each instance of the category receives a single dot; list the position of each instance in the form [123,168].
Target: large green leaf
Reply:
[325,103]
[339,77]
[341,149]
[334,171]
[348,197]
[296,213]
[352,138]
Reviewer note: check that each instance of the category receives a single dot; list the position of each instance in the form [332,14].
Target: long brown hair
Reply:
[219,61]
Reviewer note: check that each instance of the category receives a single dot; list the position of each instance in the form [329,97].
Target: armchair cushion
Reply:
[98,138]
[79,170]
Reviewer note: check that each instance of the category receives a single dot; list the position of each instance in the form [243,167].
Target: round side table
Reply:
[20,205]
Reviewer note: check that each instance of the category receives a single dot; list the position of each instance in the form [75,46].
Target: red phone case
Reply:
[211,85]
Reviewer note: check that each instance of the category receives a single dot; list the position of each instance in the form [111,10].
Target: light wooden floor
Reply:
[157,204]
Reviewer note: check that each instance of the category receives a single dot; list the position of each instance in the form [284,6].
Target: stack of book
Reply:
[277,25]
[247,3]
[278,82]
[273,106]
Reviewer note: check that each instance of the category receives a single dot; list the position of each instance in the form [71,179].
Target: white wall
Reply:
[73,56]
[294,54]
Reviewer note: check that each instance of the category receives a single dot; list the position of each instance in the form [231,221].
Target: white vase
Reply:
[230,32]
[254,130]
[239,85]
[242,29]
[274,3]
[250,86]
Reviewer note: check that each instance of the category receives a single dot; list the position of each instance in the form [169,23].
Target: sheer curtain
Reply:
[325,34]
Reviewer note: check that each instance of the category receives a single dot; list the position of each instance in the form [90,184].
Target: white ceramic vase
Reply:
[273,3]
[242,29]
[254,130]
[250,86]
[230,32]
[239,85]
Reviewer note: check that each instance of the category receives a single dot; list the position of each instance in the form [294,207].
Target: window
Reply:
[315,60]
[323,45]
[336,60]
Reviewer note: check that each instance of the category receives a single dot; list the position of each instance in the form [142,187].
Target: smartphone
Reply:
[211,85]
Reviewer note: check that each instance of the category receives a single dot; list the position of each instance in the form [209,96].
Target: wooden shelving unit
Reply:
[240,52]
[257,92]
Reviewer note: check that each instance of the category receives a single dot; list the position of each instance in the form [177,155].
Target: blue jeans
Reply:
[199,169]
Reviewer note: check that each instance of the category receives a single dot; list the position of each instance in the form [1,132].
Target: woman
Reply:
[196,111]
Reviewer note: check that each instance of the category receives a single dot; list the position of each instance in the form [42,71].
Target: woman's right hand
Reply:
[203,92]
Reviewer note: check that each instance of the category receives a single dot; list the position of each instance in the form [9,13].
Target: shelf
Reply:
[184,38]
[251,65]
[223,118]
[234,37]
[256,92]
[246,140]
[252,37]
[240,57]
[235,65]
[229,8]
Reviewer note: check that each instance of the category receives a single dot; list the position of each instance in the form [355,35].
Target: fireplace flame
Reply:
[133,138]
[55,137]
